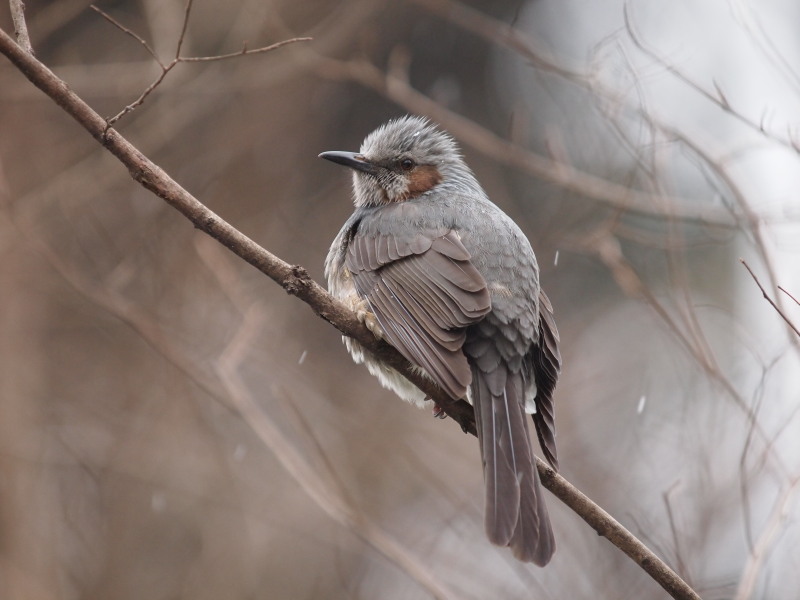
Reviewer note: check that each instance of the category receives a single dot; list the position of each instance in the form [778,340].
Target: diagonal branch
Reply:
[295,280]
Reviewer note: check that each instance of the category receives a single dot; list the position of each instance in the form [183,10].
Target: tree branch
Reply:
[295,280]
[20,26]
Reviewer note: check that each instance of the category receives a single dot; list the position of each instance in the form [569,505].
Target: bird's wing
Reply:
[546,368]
[424,290]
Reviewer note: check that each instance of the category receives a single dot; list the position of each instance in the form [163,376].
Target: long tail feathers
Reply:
[516,515]
[533,539]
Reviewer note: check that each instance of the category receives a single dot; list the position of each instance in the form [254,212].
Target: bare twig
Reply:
[296,281]
[790,296]
[20,26]
[764,42]
[187,11]
[245,51]
[749,215]
[128,32]
[166,68]
[717,97]
[768,299]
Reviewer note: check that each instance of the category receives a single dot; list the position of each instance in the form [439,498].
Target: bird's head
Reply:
[399,161]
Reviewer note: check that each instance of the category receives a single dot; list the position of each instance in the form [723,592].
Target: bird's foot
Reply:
[369,319]
[438,411]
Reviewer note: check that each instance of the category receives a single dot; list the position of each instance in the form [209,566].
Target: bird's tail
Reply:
[516,514]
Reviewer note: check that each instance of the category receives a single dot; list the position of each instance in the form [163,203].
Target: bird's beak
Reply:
[352,160]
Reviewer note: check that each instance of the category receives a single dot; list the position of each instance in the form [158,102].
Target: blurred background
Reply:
[173,425]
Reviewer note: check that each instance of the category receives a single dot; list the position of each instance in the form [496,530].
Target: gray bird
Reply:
[433,267]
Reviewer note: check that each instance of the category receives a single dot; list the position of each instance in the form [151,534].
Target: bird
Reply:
[433,267]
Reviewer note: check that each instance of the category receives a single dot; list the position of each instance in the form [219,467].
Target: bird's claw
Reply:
[438,412]
[369,319]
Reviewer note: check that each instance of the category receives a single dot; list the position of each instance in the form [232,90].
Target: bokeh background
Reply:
[173,425]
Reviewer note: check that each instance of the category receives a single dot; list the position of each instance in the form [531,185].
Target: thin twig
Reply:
[788,294]
[182,36]
[20,26]
[295,281]
[768,299]
[140,100]
[128,32]
[718,97]
[245,51]
[166,68]
[750,216]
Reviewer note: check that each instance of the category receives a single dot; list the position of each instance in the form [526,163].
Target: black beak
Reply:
[352,160]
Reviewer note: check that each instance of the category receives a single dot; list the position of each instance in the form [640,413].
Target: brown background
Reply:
[173,425]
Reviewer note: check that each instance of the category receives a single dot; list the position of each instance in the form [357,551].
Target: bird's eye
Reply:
[406,164]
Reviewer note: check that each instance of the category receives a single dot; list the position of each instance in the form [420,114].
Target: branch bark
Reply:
[20,26]
[296,281]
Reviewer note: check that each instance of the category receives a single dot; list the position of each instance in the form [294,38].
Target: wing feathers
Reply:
[451,246]
[547,367]
[423,291]
[448,368]
[441,305]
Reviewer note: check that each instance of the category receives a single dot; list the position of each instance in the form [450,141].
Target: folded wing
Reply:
[546,360]
[424,292]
